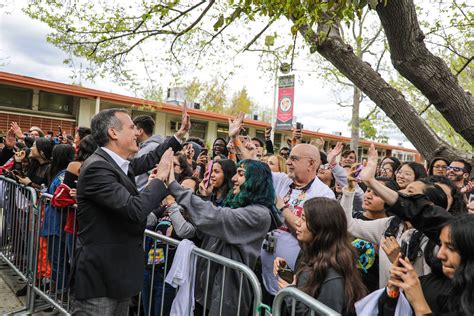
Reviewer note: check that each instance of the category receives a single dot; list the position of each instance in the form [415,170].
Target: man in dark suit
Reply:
[108,265]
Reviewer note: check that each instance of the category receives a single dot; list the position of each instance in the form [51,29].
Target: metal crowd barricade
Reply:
[53,250]
[297,296]
[17,204]
[167,244]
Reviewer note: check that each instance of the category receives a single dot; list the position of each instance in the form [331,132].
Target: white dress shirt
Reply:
[122,163]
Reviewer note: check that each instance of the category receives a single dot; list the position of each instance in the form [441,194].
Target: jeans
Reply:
[158,280]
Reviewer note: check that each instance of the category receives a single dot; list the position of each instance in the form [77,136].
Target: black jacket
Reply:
[111,221]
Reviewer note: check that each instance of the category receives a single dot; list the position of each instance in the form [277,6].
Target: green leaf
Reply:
[219,23]
[373,4]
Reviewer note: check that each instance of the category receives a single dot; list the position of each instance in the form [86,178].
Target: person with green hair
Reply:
[235,230]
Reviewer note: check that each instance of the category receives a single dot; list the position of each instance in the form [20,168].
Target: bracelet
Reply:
[237,142]
[392,293]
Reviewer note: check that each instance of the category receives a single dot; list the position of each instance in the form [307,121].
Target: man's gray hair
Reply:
[102,121]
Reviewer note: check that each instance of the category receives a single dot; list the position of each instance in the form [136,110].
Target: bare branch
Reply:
[256,37]
[464,66]
[190,27]
[372,40]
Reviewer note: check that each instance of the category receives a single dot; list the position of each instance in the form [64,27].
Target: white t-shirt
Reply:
[287,246]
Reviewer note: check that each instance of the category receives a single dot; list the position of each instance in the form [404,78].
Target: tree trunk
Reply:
[379,91]
[355,120]
[427,72]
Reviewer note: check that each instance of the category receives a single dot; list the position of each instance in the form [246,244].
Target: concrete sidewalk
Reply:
[9,284]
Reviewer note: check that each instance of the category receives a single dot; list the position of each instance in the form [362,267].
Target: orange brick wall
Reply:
[26,121]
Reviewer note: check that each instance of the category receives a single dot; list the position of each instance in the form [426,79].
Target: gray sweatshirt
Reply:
[233,233]
[145,147]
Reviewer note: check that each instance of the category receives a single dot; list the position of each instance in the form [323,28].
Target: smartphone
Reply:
[471,198]
[358,171]
[51,134]
[204,152]
[210,164]
[60,130]
[404,249]
[286,273]
[299,126]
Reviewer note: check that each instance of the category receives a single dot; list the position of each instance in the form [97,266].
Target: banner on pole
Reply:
[286,96]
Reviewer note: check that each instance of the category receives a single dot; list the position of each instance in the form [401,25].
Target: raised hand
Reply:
[10,140]
[162,170]
[185,124]
[351,179]
[368,174]
[235,125]
[336,151]
[391,247]
[17,130]
[405,277]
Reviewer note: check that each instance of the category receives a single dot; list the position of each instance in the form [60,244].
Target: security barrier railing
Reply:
[35,244]
[17,211]
[298,301]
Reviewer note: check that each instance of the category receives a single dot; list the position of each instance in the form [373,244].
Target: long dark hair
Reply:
[330,248]
[86,148]
[430,168]
[462,238]
[257,188]
[228,169]
[434,194]
[458,206]
[63,154]
[418,169]
[45,149]
[183,163]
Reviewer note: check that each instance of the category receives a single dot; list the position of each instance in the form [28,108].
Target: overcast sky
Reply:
[25,51]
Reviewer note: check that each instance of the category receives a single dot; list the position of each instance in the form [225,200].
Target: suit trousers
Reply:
[104,306]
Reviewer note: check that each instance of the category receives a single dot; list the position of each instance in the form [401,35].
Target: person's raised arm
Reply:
[367,176]
[245,151]
[146,162]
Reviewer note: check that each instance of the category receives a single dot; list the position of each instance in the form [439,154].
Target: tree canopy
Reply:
[112,34]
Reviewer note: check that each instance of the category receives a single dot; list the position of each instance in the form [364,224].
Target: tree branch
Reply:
[256,37]
[190,27]
[426,72]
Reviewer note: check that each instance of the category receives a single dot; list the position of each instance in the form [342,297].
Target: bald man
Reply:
[294,188]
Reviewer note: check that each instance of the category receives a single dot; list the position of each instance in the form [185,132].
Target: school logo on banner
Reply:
[286,94]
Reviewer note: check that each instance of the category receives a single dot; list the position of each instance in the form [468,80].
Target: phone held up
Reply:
[404,249]
[286,273]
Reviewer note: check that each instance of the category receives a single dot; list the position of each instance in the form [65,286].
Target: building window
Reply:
[58,103]
[16,97]
[199,129]
[222,131]
[260,134]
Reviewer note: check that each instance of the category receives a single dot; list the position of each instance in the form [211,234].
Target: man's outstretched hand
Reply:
[185,124]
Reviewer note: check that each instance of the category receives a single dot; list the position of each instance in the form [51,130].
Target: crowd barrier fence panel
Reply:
[30,245]
[245,273]
[52,248]
[17,211]
[297,296]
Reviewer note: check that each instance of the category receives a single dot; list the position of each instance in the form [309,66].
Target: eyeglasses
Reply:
[294,158]
[405,174]
[441,167]
[325,167]
[387,170]
[455,169]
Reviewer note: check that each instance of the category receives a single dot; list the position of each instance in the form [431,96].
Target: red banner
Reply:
[286,96]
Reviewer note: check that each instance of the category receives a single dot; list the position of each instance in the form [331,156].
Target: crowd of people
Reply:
[341,229]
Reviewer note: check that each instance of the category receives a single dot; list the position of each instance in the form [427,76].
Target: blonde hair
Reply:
[281,163]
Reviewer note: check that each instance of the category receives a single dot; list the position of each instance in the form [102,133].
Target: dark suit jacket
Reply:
[111,220]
